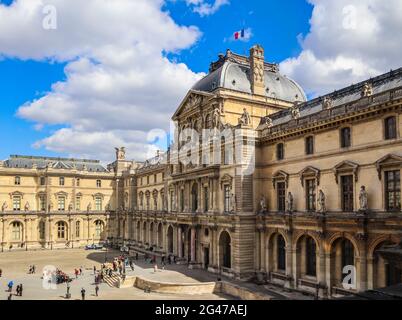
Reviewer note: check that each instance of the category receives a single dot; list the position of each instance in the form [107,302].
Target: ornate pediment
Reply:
[193,100]
[309,172]
[17,193]
[280,176]
[98,195]
[61,194]
[390,160]
[226,179]
[344,167]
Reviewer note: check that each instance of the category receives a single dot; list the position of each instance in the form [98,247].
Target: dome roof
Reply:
[237,76]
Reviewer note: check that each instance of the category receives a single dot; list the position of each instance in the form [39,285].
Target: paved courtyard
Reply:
[15,267]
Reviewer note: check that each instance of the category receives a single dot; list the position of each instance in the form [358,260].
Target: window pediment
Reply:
[61,194]
[390,160]
[346,166]
[280,176]
[310,172]
[226,179]
[16,193]
[98,195]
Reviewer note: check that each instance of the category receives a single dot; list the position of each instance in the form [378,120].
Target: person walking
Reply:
[10,286]
[1,272]
[96,290]
[94,269]
[76,273]
[20,290]
[83,294]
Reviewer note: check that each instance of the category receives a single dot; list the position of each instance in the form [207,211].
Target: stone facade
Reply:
[286,191]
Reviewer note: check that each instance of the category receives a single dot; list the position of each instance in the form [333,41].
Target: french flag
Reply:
[239,34]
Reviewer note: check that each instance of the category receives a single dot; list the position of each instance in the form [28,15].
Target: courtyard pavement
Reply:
[15,267]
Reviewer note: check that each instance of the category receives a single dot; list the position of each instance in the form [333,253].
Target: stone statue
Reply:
[27,207]
[245,118]
[120,153]
[321,202]
[216,118]
[108,207]
[70,207]
[263,203]
[268,122]
[327,103]
[294,111]
[89,207]
[50,206]
[4,207]
[367,90]
[363,199]
[290,202]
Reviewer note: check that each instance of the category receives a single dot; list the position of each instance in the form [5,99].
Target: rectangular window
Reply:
[61,181]
[78,203]
[147,179]
[42,203]
[345,138]
[98,203]
[155,178]
[393,190]
[309,145]
[281,196]
[310,195]
[181,200]
[347,193]
[98,183]
[280,153]
[172,201]
[42,181]
[77,229]
[227,198]
[390,128]
[16,203]
[206,199]
[17,181]
[61,203]
[78,182]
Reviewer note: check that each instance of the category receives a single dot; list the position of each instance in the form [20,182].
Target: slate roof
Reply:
[385,82]
[28,162]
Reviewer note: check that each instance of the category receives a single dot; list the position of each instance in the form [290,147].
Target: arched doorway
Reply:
[152,234]
[343,256]
[160,236]
[194,197]
[99,229]
[225,256]
[170,239]
[385,273]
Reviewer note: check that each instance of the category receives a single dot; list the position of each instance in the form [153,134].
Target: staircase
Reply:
[113,281]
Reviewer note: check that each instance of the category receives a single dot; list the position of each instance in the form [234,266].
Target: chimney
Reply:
[257,68]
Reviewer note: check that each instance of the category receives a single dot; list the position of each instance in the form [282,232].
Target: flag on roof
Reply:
[239,34]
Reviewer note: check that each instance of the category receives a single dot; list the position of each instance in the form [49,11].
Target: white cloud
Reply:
[349,41]
[204,8]
[119,84]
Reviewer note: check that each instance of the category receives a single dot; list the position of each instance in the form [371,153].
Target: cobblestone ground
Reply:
[15,267]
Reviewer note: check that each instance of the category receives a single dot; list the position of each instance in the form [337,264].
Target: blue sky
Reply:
[90,85]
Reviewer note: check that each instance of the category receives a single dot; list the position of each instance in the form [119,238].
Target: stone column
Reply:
[200,197]
[179,242]
[289,265]
[362,275]
[328,272]
[193,259]
[321,271]
[2,228]
[370,271]
[262,251]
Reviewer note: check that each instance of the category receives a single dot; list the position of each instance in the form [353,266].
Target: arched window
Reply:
[16,231]
[281,253]
[61,181]
[42,227]
[61,230]
[311,258]
[390,128]
[77,229]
